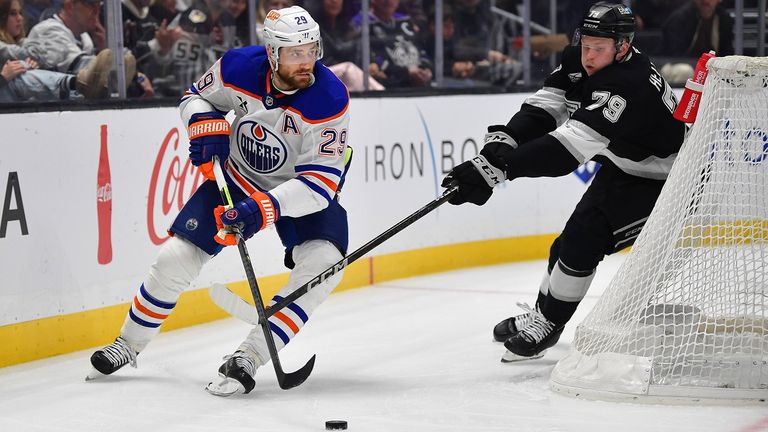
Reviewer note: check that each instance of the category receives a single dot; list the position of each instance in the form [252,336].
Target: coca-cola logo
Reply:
[174,179]
[104,193]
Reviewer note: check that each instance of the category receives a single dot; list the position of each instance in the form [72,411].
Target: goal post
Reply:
[686,316]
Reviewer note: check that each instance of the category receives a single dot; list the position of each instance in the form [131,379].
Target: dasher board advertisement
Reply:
[89,195]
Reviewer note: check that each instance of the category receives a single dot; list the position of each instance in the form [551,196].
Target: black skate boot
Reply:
[236,375]
[533,340]
[510,326]
[111,358]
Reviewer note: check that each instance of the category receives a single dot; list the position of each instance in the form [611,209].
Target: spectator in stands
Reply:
[149,40]
[459,72]
[472,42]
[651,14]
[202,41]
[163,10]
[698,27]
[417,12]
[20,78]
[341,43]
[38,10]
[69,40]
[397,58]
[235,15]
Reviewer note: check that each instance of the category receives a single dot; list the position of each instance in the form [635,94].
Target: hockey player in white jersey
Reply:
[606,102]
[284,159]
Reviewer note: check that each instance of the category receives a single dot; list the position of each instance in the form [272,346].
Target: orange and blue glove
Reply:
[208,137]
[247,217]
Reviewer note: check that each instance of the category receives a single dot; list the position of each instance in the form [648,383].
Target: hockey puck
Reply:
[336,425]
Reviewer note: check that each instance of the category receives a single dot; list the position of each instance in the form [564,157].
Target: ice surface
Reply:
[408,355]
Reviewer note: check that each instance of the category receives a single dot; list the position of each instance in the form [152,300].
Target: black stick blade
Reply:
[295,379]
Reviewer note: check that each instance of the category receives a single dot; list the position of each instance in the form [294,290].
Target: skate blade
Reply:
[93,375]
[225,387]
[510,357]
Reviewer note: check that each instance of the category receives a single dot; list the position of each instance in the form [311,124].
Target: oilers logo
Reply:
[260,148]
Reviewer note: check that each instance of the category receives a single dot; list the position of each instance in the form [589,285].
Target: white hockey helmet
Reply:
[289,27]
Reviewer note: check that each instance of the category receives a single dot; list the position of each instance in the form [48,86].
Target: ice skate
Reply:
[511,326]
[111,358]
[532,341]
[236,375]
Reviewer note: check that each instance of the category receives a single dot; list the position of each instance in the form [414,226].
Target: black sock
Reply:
[557,311]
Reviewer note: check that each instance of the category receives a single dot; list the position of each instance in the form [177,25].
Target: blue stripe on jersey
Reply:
[321,168]
[279,332]
[315,188]
[154,301]
[295,308]
[140,321]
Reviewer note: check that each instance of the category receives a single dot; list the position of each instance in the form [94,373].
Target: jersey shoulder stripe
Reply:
[316,167]
[323,101]
[245,70]
[322,177]
[315,187]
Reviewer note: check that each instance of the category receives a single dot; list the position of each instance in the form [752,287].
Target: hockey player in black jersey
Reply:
[607,103]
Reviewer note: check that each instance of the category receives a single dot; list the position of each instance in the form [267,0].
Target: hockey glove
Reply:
[499,140]
[247,217]
[208,137]
[476,178]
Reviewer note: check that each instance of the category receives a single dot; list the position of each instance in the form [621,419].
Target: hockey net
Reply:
[686,316]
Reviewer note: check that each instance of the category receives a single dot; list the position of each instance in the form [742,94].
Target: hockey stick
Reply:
[286,380]
[239,308]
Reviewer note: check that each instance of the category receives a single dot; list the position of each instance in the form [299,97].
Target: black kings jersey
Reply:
[620,115]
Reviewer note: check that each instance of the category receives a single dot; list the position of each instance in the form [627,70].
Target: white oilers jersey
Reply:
[291,146]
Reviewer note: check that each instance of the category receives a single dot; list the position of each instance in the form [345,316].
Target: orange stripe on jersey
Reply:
[234,87]
[331,185]
[146,311]
[289,322]
[322,120]
[244,184]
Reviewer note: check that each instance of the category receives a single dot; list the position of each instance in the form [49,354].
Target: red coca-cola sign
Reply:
[174,179]
[104,203]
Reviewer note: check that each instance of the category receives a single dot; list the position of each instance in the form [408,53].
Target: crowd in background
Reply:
[57,49]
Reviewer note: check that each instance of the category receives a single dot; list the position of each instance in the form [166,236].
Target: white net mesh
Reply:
[686,315]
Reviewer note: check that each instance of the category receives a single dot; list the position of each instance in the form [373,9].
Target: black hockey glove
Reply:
[476,178]
[499,141]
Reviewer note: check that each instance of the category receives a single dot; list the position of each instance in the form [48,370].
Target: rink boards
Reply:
[70,266]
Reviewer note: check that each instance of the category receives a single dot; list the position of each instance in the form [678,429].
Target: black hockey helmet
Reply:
[610,20]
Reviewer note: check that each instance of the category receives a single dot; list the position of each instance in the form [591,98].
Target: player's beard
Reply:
[298,79]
